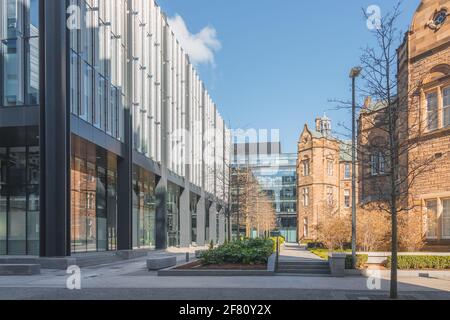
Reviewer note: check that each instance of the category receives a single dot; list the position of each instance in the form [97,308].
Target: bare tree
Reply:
[224,179]
[387,135]
[251,206]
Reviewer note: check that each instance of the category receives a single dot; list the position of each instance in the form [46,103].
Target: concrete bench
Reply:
[376,258]
[158,263]
[337,263]
[19,269]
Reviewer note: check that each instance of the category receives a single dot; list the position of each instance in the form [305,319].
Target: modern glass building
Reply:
[108,138]
[277,175]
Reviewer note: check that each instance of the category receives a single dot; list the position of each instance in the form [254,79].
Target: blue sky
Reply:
[279,62]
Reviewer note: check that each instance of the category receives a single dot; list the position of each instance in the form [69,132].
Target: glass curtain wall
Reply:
[97,64]
[207,206]
[93,198]
[193,208]
[19,191]
[19,52]
[144,211]
[173,215]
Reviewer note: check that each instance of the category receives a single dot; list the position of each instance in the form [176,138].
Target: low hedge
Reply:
[249,252]
[281,241]
[361,260]
[421,262]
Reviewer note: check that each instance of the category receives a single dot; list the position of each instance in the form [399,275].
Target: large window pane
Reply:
[94,199]
[33,71]
[33,165]
[13,72]
[17,230]
[13,18]
[431,206]
[17,166]
[86,102]
[3,218]
[102,237]
[3,166]
[173,215]
[112,203]
[432,111]
[33,17]
[33,221]
[446,218]
[446,106]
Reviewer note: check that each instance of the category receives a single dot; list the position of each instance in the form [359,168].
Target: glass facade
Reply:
[97,64]
[19,191]
[173,215]
[19,52]
[93,198]
[144,184]
[101,59]
[277,176]
[193,209]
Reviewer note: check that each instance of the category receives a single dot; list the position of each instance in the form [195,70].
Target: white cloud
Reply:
[200,47]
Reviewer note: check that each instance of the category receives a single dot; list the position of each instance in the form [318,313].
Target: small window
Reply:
[330,199]
[305,197]
[305,227]
[306,168]
[330,168]
[432,111]
[378,163]
[347,171]
[440,17]
[347,198]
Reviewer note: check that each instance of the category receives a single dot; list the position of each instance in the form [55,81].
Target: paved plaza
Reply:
[131,280]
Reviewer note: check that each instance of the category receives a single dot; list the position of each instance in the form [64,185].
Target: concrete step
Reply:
[305,271]
[300,263]
[19,269]
[95,260]
[315,275]
[18,260]
[302,266]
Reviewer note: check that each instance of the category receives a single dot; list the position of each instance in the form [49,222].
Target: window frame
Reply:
[330,196]
[347,196]
[443,236]
[330,167]
[427,111]
[306,168]
[427,229]
[306,197]
[445,107]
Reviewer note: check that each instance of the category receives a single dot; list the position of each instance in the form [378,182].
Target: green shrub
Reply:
[315,245]
[250,251]
[281,241]
[361,260]
[421,262]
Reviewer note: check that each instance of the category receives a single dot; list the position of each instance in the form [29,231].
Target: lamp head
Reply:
[355,72]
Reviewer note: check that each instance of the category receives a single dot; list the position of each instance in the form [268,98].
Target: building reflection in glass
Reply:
[144,183]
[19,191]
[193,209]
[93,197]
[173,215]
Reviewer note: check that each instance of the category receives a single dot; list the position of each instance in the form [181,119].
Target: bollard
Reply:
[187,257]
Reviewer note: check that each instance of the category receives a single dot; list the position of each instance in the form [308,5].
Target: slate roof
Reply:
[346,151]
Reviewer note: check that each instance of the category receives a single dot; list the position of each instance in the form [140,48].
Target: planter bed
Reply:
[197,265]
[196,269]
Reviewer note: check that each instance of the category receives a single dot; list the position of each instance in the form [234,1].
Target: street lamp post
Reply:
[354,73]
